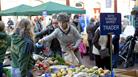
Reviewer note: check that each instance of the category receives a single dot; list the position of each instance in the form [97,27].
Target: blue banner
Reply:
[110,23]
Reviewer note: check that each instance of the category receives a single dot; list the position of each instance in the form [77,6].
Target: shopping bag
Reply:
[104,53]
[82,48]
[70,58]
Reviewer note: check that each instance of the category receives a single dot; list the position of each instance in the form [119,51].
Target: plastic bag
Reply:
[104,53]
[7,72]
[70,58]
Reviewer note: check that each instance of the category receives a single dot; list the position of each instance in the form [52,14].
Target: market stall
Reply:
[53,7]
[49,7]
[16,11]
[57,67]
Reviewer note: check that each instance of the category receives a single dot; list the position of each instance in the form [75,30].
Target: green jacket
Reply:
[21,53]
[4,43]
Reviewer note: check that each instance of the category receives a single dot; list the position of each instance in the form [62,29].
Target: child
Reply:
[4,43]
[82,48]
[22,46]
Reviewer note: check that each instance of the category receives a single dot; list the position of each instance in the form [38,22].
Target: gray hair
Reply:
[54,16]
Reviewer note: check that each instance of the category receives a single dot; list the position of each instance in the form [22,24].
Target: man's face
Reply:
[54,23]
[64,25]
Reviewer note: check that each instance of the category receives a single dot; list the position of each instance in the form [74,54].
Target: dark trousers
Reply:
[136,58]
[103,63]
[115,59]
[1,68]
[57,52]
[90,49]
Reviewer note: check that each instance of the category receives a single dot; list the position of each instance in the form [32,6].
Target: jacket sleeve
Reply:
[51,36]
[78,37]
[25,56]
[79,27]
[9,40]
[96,39]
[88,30]
[95,26]
[42,33]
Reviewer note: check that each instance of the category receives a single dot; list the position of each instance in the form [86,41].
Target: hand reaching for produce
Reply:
[41,41]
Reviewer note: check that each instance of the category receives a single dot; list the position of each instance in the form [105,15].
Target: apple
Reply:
[101,70]
[69,71]
[56,61]
[91,70]
[82,66]
[95,68]
[59,74]
[64,73]
[53,75]
[102,75]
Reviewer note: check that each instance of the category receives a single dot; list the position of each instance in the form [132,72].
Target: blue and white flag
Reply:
[108,3]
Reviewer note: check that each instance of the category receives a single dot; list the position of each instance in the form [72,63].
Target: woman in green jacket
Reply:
[4,43]
[22,46]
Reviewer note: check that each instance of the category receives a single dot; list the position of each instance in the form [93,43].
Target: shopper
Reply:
[38,25]
[101,43]
[4,44]
[115,56]
[69,38]
[76,23]
[90,29]
[54,44]
[10,23]
[22,47]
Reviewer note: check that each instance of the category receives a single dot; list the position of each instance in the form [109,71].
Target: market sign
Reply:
[110,23]
[44,13]
[108,3]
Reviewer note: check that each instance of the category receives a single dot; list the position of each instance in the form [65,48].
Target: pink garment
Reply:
[82,48]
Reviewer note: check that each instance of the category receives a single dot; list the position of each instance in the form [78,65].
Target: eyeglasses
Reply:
[62,22]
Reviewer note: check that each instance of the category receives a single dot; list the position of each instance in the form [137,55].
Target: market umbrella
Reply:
[16,11]
[52,7]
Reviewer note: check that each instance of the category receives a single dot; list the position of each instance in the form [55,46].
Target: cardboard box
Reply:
[126,73]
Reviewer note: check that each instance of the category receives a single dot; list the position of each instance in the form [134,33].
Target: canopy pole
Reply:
[68,2]
[0,10]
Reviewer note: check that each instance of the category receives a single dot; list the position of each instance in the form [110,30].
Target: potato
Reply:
[95,68]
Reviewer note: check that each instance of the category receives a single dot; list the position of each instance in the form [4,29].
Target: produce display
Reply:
[56,67]
[42,64]
[81,71]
